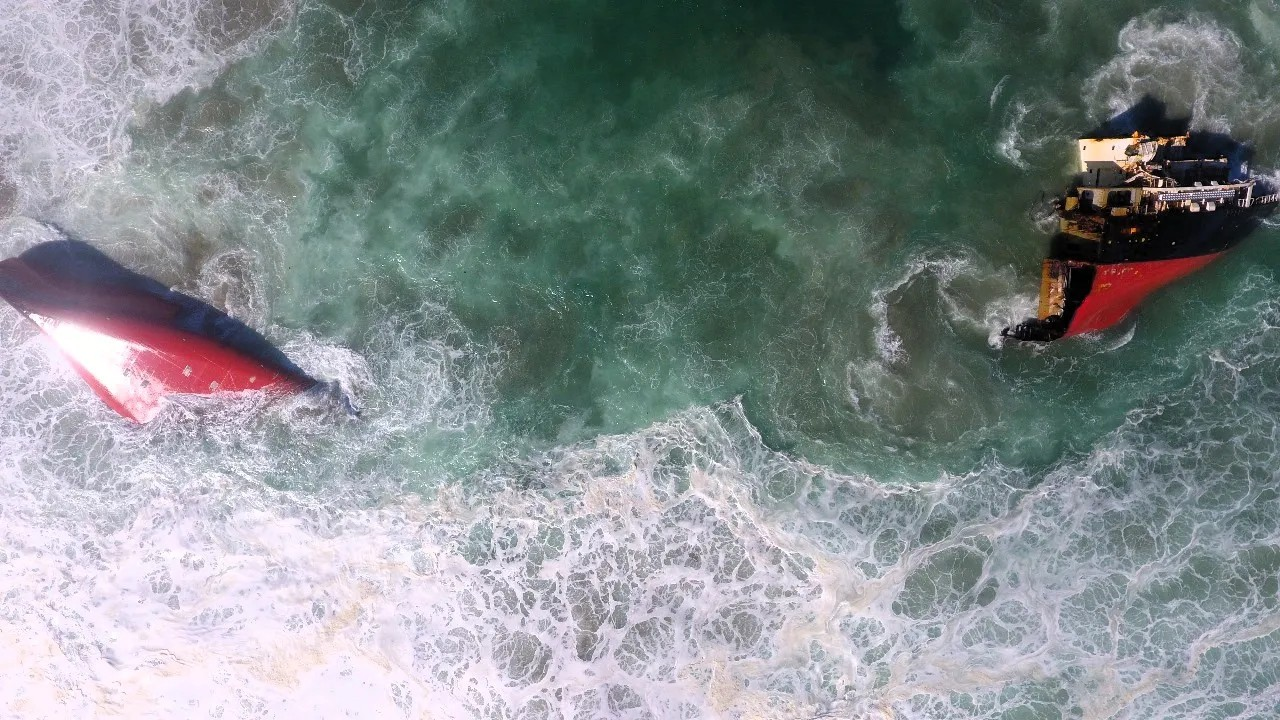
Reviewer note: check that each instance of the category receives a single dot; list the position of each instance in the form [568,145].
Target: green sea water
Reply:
[674,326]
[647,208]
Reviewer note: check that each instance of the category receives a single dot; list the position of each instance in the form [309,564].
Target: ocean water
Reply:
[675,330]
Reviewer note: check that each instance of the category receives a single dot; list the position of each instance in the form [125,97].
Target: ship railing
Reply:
[1261,200]
[1204,196]
[1197,192]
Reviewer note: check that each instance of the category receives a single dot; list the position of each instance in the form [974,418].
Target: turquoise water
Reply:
[675,329]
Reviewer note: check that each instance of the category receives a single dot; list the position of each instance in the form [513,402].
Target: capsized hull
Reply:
[1118,288]
[135,341]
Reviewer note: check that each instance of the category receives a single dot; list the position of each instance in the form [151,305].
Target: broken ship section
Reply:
[135,341]
[1143,211]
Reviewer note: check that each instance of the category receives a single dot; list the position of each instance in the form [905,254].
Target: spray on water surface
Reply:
[673,326]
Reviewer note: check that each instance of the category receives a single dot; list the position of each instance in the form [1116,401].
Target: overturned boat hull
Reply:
[135,341]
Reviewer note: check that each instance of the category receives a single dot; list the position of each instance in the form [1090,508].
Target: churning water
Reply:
[674,329]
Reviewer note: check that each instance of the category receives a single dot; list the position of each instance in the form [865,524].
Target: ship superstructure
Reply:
[1144,210]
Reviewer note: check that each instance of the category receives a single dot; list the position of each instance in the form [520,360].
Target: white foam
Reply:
[995,92]
[1006,311]
[73,73]
[1190,62]
[1008,145]
[943,269]
[682,570]
[220,593]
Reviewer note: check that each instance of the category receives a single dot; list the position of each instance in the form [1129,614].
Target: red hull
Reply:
[135,341]
[132,365]
[1119,287]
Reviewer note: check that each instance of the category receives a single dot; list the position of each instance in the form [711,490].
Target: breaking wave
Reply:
[1193,64]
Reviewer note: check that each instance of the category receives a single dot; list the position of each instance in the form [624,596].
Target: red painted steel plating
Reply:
[120,343]
[1118,288]
[132,365]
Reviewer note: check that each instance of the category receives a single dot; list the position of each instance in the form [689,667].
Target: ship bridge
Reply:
[1141,175]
